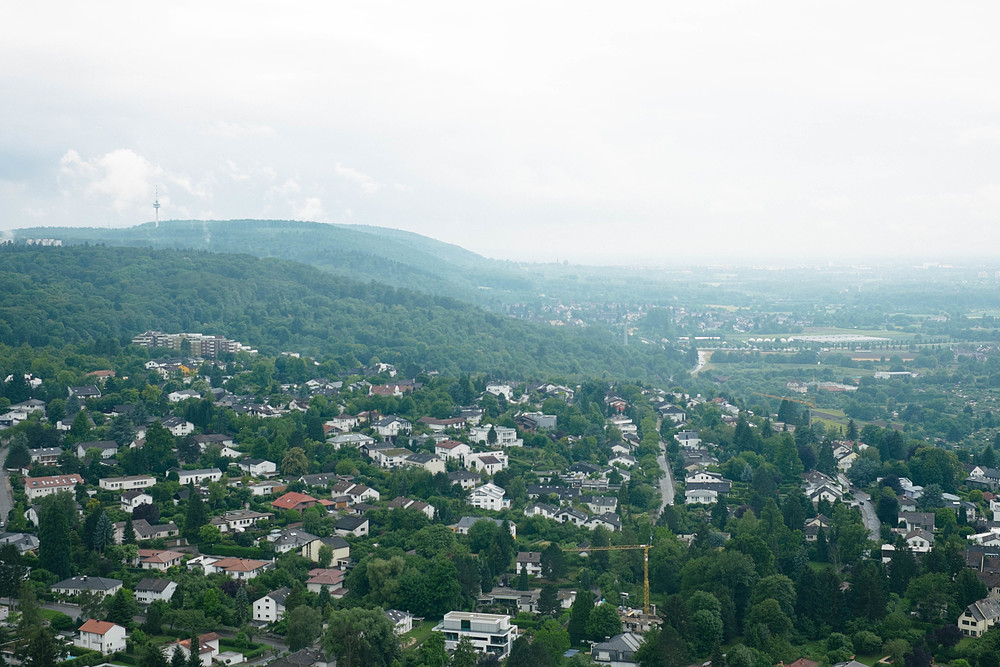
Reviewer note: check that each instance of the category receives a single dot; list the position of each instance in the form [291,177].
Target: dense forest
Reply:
[81,293]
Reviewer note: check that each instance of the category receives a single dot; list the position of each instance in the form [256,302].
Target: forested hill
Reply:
[55,295]
[389,256]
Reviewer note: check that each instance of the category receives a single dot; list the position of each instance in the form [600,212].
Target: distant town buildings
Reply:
[200,345]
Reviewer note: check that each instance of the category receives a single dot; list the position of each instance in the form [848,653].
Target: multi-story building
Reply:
[489,497]
[200,345]
[489,633]
[36,487]
[127,483]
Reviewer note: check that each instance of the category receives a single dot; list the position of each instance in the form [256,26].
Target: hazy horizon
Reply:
[732,131]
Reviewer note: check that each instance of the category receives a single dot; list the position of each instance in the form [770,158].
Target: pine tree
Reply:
[104,533]
[194,655]
[177,658]
[43,651]
[242,606]
[128,533]
[548,600]
[53,535]
[826,463]
[580,616]
[152,657]
[194,519]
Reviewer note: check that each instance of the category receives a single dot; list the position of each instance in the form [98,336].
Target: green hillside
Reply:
[393,257]
[50,296]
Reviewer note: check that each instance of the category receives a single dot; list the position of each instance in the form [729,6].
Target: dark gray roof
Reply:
[153,584]
[334,541]
[280,595]
[350,522]
[87,584]
[304,658]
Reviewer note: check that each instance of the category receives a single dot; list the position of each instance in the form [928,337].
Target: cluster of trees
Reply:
[83,293]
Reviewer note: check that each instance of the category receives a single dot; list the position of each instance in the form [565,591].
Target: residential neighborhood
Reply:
[219,523]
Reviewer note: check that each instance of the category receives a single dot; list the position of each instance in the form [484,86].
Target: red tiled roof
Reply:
[239,564]
[96,627]
[292,499]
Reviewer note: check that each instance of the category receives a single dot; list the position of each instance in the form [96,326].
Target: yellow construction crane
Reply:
[645,565]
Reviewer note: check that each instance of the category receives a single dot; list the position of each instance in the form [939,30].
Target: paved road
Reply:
[667,481]
[702,360]
[872,523]
[868,514]
[6,495]
[71,610]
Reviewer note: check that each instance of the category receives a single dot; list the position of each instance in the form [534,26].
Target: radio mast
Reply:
[156,206]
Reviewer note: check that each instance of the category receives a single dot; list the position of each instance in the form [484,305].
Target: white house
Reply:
[271,607]
[239,520]
[208,648]
[132,499]
[402,621]
[391,426]
[499,389]
[182,395]
[429,462]
[489,633]
[505,436]
[107,448]
[198,476]
[159,559]
[258,467]
[979,617]
[129,483]
[37,487]
[150,590]
[489,496]
[99,586]
[391,458]
[465,479]
[919,541]
[489,463]
[241,569]
[101,636]
[529,561]
[452,449]
[701,497]
[178,427]
[358,493]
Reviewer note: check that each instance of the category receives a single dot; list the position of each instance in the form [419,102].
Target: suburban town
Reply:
[150,511]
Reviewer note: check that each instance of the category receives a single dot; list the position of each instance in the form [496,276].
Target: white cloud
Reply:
[310,209]
[229,130]
[123,176]
[367,184]
[127,180]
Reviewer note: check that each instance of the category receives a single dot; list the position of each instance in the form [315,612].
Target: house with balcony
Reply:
[489,633]
[151,589]
[489,496]
[101,636]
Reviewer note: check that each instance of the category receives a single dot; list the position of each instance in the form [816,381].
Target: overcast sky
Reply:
[589,132]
